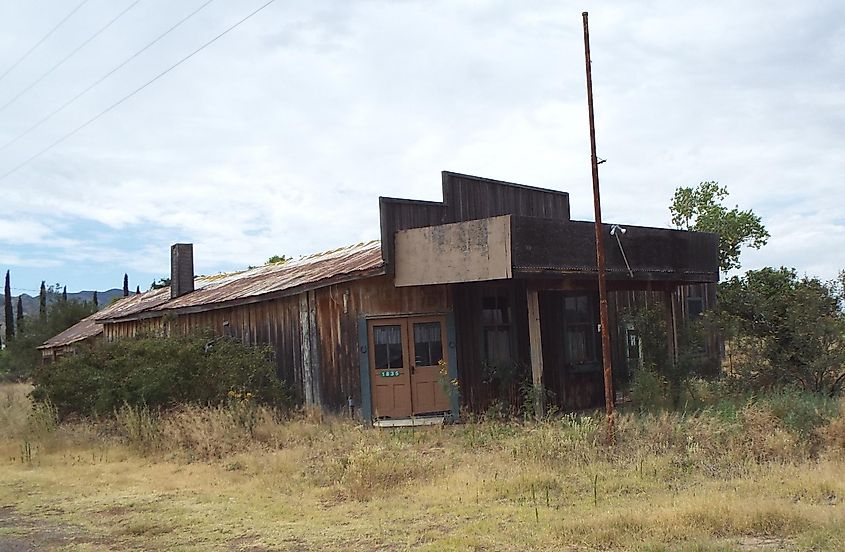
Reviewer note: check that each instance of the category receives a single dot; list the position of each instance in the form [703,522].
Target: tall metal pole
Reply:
[600,261]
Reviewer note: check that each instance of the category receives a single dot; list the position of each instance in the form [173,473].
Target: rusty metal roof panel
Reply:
[92,325]
[85,328]
[354,261]
[134,303]
[282,276]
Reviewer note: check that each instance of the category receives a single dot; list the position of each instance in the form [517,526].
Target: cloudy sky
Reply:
[279,137]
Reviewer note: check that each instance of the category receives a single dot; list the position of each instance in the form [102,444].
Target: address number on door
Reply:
[390,373]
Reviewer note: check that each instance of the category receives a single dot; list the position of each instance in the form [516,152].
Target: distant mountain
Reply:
[30,303]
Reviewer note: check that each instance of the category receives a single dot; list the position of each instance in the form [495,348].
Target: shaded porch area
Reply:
[525,299]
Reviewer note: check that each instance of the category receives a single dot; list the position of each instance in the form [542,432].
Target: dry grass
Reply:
[240,477]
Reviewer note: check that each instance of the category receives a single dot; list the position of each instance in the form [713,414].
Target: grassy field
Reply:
[752,475]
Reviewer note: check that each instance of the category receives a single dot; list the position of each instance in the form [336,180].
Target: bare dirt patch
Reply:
[26,533]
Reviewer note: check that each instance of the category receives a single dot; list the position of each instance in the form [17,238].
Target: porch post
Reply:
[671,324]
[536,349]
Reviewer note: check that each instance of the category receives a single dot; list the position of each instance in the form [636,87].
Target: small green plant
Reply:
[649,390]
[451,386]
[243,410]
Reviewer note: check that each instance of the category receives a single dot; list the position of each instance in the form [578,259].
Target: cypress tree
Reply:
[64,294]
[125,285]
[96,302]
[19,318]
[137,290]
[7,304]
[42,303]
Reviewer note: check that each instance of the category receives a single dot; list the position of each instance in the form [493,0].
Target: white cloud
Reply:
[280,137]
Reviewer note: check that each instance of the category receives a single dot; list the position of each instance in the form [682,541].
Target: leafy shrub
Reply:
[649,391]
[20,357]
[784,330]
[159,372]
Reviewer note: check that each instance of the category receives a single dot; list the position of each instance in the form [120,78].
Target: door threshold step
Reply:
[413,421]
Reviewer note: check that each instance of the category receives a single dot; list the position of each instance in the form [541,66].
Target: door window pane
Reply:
[388,343]
[428,344]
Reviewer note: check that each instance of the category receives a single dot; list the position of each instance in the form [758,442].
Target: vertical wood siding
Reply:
[338,310]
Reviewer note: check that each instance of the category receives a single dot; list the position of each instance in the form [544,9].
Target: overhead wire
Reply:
[137,90]
[67,57]
[104,77]
[43,38]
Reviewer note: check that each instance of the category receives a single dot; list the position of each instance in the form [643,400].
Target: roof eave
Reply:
[340,279]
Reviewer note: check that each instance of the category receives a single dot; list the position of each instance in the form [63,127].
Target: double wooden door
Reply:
[408,366]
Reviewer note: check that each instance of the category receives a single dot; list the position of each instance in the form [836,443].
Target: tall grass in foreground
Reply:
[726,438]
[732,470]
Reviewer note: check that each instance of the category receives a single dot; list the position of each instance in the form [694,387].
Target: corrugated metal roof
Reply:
[85,328]
[358,260]
[351,262]
[91,326]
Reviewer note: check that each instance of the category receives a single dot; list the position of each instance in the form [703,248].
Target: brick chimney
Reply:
[181,269]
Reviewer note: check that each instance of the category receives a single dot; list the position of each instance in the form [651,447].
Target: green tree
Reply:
[701,209]
[64,293]
[137,290]
[7,307]
[95,301]
[784,329]
[42,304]
[125,285]
[19,318]
[21,355]
[160,283]
[277,259]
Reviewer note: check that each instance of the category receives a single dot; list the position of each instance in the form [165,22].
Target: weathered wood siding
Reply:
[467,197]
[472,197]
[338,310]
[478,389]
[275,323]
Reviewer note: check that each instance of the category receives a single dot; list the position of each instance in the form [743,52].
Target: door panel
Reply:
[427,344]
[390,371]
[405,369]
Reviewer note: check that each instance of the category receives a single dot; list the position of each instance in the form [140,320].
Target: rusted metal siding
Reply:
[339,309]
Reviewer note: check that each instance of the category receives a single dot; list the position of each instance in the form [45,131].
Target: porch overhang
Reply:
[511,246]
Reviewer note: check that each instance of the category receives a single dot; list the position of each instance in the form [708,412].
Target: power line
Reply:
[45,37]
[67,57]
[140,88]
[104,77]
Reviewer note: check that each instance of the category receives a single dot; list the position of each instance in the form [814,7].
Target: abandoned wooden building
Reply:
[459,304]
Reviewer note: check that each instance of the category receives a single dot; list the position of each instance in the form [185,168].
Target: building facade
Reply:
[461,303]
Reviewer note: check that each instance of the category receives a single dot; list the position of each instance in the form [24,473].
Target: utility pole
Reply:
[609,397]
